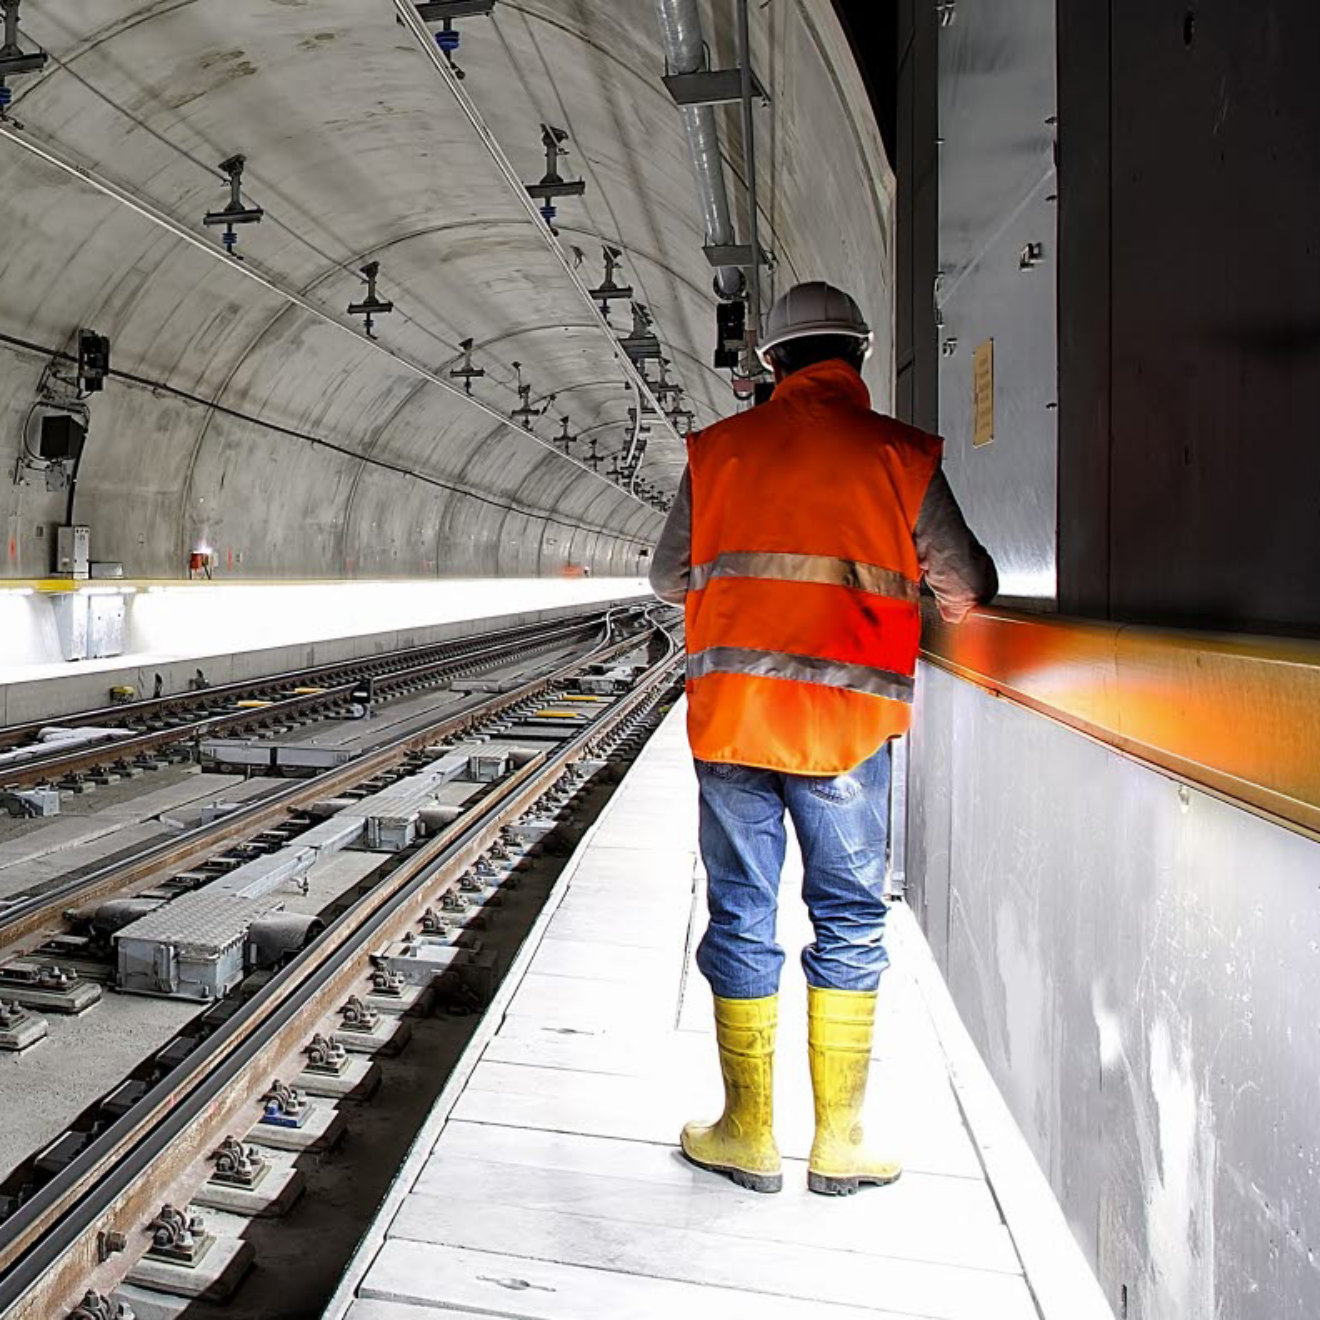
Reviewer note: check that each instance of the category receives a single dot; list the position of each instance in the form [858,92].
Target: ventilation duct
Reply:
[685,52]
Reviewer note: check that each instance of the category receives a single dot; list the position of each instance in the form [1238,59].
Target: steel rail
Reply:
[48,1248]
[21,917]
[88,756]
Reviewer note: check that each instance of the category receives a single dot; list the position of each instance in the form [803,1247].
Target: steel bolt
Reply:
[109,1242]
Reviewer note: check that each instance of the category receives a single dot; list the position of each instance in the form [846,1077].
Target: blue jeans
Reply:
[842,825]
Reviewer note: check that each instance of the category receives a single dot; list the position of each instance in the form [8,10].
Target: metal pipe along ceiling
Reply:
[685,52]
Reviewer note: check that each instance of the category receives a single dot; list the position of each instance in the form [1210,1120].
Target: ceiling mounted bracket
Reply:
[467,373]
[639,423]
[14,60]
[641,345]
[712,87]
[553,185]
[371,306]
[236,213]
[525,414]
[665,389]
[610,290]
[737,254]
[681,420]
[446,13]
[436,11]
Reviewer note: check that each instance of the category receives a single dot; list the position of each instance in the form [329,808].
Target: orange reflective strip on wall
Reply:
[1238,715]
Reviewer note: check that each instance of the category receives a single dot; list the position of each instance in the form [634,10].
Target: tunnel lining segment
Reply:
[411,20]
[364,459]
[53,157]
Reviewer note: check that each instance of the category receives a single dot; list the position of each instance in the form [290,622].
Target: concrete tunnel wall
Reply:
[358,149]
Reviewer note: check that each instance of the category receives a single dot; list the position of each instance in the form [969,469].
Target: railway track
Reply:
[155,725]
[84,1228]
[25,913]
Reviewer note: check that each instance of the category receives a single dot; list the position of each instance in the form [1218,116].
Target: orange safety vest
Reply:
[802,615]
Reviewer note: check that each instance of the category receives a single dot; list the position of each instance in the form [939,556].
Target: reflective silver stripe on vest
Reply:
[801,668]
[776,566]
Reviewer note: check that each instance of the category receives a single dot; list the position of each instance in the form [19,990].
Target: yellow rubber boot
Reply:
[840,1025]
[741,1145]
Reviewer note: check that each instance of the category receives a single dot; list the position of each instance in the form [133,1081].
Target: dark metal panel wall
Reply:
[1217,307]
[997,200]
[917,165]
[1190,140]
[1084,296]
[1138,965]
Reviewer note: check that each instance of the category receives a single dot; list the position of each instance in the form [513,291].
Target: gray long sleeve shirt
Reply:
[955,565]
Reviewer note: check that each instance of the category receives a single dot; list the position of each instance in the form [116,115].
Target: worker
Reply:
[797,543]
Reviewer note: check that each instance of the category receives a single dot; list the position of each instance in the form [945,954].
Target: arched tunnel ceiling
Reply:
[283,438]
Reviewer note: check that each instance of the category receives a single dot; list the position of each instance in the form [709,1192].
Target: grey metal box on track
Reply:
[389,818]
[613,681]
[235,752]
[286,756]
[194,946]
[392,833]
[487,766]
[191,948]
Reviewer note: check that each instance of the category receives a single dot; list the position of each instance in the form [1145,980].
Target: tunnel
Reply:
[351,352]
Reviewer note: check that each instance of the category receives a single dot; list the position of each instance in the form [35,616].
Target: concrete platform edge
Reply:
[420,1150]
[1057,1272]
[49,696]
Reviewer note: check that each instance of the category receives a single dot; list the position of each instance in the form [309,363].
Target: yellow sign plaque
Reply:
[983,392]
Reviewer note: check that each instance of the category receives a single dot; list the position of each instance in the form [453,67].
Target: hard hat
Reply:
[815,308]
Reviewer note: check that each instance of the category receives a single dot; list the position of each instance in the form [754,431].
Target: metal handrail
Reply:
[1237,715]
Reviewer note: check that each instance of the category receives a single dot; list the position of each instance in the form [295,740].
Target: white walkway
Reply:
[551,1189]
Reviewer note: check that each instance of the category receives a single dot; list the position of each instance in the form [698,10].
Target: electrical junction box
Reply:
[105,626]
[73,546]
[93,361]
[191,948]
[62,438]
[730,334]
[89,626]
